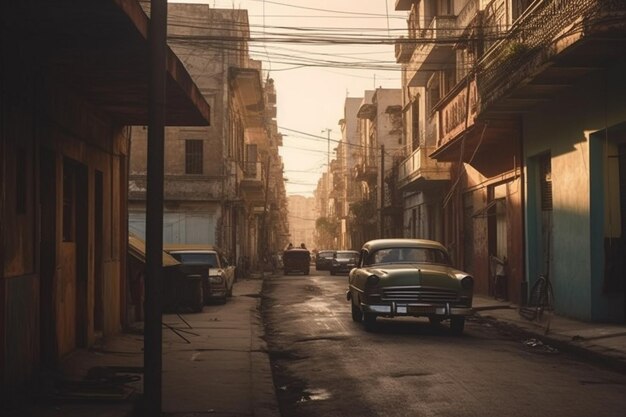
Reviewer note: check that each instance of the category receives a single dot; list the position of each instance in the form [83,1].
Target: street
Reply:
[326,365]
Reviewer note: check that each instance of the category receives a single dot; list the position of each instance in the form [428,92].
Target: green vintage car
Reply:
[409,277]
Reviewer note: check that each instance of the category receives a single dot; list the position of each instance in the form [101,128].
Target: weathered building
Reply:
[72,78]
[381,145]
[526,98]
[302,217]
[347,155]
[223,183]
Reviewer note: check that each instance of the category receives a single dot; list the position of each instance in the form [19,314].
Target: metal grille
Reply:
[539,26]
[419,295]
[193,156]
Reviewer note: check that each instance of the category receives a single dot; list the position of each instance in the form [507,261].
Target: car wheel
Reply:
[198,303]
[435,321]
[357,315]
[307,271]
[457,324]
[332,272]
[369,321]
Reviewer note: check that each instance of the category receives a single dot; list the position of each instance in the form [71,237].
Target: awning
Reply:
[137,249]
[99,50]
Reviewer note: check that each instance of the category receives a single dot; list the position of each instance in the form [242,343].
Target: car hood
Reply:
[418,274]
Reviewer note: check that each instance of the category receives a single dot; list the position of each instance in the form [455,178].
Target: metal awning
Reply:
[137,249]
[99,50]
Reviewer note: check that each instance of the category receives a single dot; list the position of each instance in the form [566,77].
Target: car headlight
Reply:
[216,279]
[372,280]
[467,283]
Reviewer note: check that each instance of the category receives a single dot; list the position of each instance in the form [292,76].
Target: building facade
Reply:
[64,149]
[223,183]
[517,96]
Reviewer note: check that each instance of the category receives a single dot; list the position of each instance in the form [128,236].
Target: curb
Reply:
[599,358]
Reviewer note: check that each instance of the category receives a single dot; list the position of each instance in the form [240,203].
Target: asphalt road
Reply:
[326,365]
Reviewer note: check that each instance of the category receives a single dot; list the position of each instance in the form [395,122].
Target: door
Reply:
[48,254]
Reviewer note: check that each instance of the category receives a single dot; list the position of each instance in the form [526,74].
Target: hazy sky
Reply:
[312,81]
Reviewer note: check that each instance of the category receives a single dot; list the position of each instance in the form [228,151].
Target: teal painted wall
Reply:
[565,127]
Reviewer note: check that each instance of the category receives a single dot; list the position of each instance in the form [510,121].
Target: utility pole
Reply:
[382,191]
[153,349]
[327,170]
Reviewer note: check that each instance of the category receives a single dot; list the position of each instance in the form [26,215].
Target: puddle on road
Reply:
[315,395]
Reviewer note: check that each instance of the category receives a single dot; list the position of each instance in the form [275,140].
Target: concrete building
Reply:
[73,76]
[223,183]
[302,217]
[381,146]
[521,93]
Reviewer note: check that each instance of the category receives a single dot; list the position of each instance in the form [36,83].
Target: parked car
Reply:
[343,261]
[324,259]
[296,260]
[409,277]
[208,261]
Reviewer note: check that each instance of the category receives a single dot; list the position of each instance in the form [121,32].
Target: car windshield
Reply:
[347,255]
[196,258]
[408,255]
[326,254]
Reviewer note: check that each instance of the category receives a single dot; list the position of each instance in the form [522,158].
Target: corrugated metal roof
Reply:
[137,249]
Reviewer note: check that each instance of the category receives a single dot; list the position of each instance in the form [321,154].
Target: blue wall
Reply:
[565,127]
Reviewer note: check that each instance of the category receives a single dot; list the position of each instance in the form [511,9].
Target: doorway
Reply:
[98,309]
[48,253]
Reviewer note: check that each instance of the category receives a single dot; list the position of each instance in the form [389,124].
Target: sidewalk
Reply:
[222,370]
[604,344]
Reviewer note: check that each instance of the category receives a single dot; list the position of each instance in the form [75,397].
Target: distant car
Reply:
[324,259]
[409,277]
[343,261]
[218,276]
[296,260]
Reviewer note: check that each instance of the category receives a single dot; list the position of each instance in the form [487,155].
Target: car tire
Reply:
[307,271]
[457,325]
[357,315]
[198,303]
[369,321]
[332,272]
[434,321]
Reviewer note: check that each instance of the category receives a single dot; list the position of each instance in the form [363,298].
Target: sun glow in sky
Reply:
[319,52]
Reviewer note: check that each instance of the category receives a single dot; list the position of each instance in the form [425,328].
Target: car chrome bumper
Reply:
[399,309]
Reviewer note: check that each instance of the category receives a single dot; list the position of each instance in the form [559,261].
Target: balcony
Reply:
[418,169]
[253,182]
[551,46]
[458,113]
[365,172]
[404,49]
[433,50]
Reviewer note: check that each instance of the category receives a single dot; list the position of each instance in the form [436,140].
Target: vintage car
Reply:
[208,261]
[409,277]
[324,259]
[343,261]
[296,260]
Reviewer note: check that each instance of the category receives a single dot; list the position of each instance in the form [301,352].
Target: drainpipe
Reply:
[152,397]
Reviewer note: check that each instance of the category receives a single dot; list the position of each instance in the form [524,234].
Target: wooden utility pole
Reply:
[152,357]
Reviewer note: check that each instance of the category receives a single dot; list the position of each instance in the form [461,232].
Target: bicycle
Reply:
[541,300]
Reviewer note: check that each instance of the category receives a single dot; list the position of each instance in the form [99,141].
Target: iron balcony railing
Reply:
[526,45]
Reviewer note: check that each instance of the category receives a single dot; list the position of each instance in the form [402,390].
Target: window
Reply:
[193,156]
[415,124]
[545,182]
